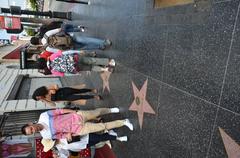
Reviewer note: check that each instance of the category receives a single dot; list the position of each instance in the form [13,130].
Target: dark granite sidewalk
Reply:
[190,55]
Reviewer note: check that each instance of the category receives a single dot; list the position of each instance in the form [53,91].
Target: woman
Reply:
[53,93]
[72,62]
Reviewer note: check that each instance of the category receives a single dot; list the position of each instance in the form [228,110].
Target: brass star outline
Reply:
[140,104]
[105,78]
[231,147]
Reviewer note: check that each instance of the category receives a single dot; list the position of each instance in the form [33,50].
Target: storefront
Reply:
[11,24]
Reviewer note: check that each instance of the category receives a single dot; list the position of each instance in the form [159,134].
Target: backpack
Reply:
[64,64]
[60,41]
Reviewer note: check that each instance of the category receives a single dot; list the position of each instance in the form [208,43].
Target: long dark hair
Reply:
[41,63]
[41,91]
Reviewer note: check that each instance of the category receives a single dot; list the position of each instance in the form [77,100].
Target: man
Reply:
[65,123]
[59,39]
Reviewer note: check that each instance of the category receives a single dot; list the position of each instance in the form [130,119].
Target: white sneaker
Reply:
[89,3]
[122,139]
[128,124]
[114,110]
[81,28]
[108,42]
[111,132]
[112,62]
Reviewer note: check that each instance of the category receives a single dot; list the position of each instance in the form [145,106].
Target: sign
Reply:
[10,22]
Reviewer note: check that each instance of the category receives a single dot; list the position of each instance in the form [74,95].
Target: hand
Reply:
[54,155]
[69,137]
[52,91]
[56,87]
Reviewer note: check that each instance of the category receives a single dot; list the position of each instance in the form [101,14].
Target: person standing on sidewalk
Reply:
[53,93]
[60,39]
[65,123]
[72,63]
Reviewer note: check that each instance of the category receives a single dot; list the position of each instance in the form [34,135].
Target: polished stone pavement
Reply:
[189,54]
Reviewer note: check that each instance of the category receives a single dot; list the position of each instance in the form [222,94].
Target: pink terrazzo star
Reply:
[232,148]
[105,78]
[140,103]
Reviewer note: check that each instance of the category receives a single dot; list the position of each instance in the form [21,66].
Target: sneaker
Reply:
[112,62]
[122,139]
[111,132]
[81,28]
[128,124]
[89,3]
[114,110]
[108,42]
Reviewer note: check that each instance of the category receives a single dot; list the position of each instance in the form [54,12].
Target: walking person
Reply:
[64,64]
[60,39]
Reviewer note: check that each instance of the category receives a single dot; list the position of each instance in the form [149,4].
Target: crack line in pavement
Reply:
[185,92]
[224,79]
[229,54]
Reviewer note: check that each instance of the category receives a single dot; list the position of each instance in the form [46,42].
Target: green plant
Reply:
[30,32]
[33,4]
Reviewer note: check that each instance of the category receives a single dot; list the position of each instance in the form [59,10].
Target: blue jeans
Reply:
[70,28]
[88,43]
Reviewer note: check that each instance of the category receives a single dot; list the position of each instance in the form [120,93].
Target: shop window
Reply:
[25,86]
[170,3]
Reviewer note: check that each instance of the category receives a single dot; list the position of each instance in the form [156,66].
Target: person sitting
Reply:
[60,39]
[63,63]
[53,93]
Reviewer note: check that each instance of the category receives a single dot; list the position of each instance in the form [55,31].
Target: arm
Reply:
[60,112]
[52,104]
[53,87]
[80,52]
[53,32]
[66,52]
[53,50]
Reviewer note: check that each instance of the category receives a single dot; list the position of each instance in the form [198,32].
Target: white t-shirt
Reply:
[48,34]
[44,120]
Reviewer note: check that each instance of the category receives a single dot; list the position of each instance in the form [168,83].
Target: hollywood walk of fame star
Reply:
[105,78]
[232,148]
[140,104]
